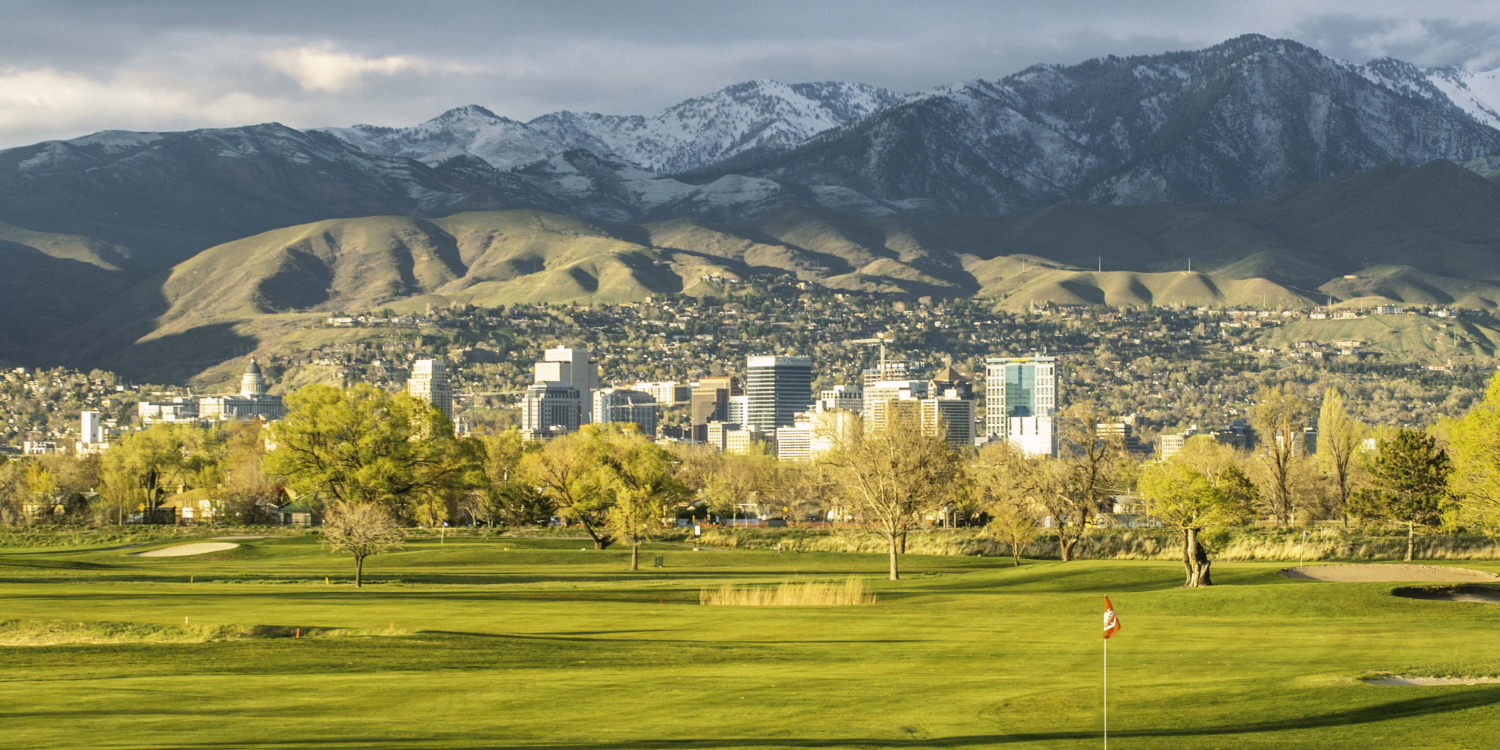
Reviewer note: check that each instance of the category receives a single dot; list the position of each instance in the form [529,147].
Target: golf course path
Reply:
[183,550]
[1380,573]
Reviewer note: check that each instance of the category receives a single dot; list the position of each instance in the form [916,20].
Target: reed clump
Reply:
[813,594]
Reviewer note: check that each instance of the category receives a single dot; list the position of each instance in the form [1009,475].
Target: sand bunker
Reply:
[1408,681]
[183,550]
[1475,594]
[1381,573]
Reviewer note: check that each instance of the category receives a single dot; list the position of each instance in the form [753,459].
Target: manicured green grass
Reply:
[546,645]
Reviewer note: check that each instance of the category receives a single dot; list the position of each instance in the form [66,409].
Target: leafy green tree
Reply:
[1184,499]
[570,471]
[365,446]
[1410,481]
[141,467]
[645,487]
[1339,437]
[507,498]
[1474,485]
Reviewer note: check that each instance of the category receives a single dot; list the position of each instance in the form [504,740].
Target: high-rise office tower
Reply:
[1018,387]
[778,388]
[549,409]
[842,398]
[949,418]
[571,365]
[710,403]
[626,406]
[886,390]
[91,428]
[429,382]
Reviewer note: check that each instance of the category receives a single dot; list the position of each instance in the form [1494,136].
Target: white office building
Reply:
[666,392]
[571,365]
[842,398]
[1018,387]
[1033,435]
[429,382]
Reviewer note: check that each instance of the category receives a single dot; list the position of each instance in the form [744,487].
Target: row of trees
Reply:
[354,450]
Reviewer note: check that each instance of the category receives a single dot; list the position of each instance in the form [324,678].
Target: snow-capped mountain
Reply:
[1476,93]
[756,117]
[1243,119]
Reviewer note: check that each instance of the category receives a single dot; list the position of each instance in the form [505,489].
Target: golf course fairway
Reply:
[516,643]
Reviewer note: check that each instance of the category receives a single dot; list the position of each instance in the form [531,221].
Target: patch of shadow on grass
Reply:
[1457,700]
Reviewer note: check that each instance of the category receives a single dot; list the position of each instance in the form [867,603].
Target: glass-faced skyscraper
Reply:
[778,388]
[1018,387]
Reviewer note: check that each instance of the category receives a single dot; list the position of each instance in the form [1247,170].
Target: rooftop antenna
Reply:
[1190,264]
[1101,264]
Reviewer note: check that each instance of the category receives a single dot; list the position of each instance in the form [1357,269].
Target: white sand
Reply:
[1378,573]
[1405,681]
[183,550]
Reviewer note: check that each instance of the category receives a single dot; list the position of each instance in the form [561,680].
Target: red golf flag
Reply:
[1111,622]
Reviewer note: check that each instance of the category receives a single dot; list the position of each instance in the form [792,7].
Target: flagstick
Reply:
[1106,694]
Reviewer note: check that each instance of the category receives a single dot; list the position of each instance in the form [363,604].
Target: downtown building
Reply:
[561,396]
[776,389]
[1020,398]
[429,382]
[626,406]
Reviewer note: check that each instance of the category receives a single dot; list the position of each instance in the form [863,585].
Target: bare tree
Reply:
[361,530]
[1279,421]
[1076,487]
[1003,490]
[1339,436]
[894,475]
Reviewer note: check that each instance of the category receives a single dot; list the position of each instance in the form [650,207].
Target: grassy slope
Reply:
[547,646]
[1400,335]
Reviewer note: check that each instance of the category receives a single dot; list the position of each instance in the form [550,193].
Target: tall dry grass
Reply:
[849,593]
[1327,544]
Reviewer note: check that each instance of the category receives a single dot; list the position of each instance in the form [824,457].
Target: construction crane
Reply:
[880,339]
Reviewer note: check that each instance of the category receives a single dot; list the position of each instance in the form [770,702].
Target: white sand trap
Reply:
[1381,573]
[234,538]
[183,550]
[1398,680]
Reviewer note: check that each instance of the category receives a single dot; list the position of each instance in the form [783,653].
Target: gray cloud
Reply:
[69,68]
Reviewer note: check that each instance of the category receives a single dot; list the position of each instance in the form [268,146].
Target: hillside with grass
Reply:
[1414,236]
[1402,337]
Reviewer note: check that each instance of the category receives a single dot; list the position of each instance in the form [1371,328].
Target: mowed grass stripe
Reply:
[551,647]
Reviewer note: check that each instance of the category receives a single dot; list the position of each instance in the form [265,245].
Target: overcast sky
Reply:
[72,68]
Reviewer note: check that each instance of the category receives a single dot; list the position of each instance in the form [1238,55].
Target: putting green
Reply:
[470,644]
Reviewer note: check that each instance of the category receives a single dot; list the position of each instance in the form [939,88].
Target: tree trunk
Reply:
[1015,553]
[1204,565]
[895,571]
[1189,560]
[635,556]
[1411,538]
[359,572]
[1065,547]
[901,542]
